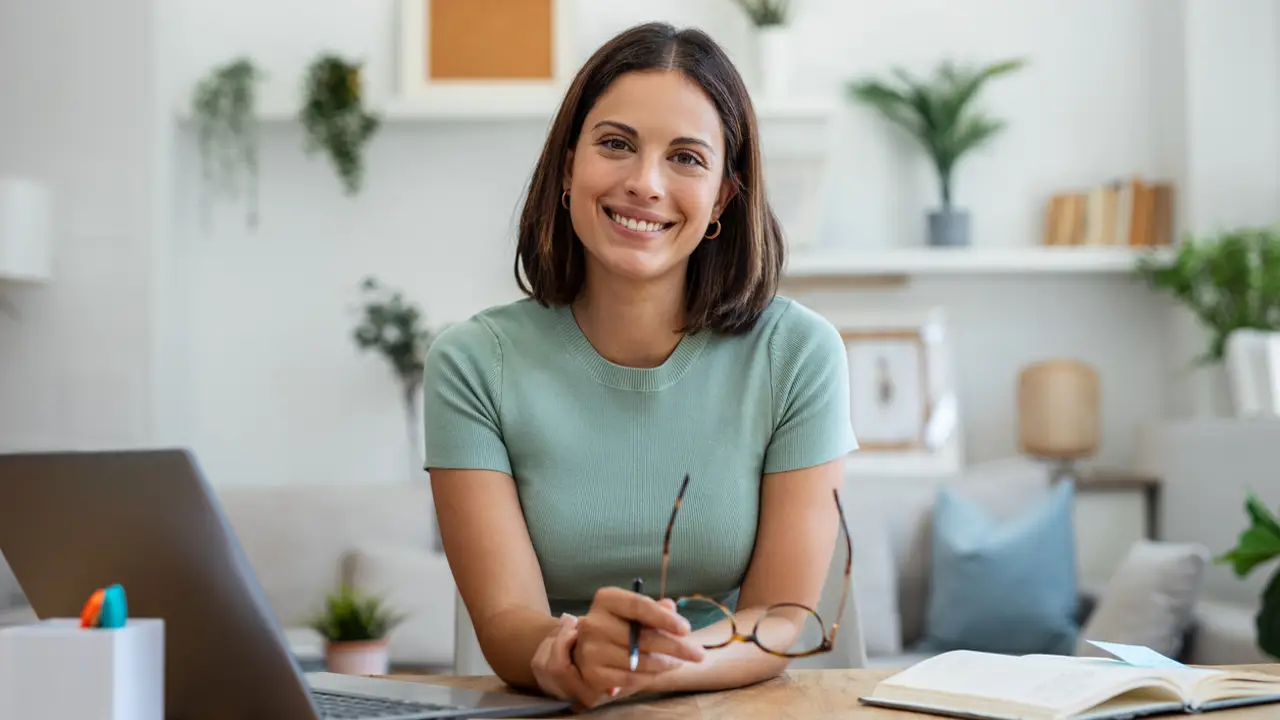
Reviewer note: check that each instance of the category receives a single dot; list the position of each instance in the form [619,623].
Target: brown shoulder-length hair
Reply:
[731,278]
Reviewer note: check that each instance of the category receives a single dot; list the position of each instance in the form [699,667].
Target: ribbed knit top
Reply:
[598,450]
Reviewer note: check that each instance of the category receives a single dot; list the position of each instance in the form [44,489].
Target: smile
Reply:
[636,225]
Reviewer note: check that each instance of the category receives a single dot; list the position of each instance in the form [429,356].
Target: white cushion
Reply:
[417,584]
[1150,599]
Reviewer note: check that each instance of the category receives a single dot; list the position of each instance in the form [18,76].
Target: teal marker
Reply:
[115,609]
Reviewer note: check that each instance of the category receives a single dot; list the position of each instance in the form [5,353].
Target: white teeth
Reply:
[637,225]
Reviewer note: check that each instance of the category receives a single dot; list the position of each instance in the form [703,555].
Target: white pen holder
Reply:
[56,670]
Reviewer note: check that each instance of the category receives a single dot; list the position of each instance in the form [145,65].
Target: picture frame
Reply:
[903,404]
[500,53]
[890,399]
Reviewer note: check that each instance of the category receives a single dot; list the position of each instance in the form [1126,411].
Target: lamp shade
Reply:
[25,232]
[1058,410]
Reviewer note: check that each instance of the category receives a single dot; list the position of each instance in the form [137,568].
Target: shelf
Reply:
[848,262]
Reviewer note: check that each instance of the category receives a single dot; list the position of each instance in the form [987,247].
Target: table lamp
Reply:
[1058,413]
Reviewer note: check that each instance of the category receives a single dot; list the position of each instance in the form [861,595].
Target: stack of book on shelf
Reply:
[1131,212]
[986,686]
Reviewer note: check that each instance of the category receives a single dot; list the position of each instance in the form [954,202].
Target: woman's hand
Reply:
[553,667]
[603,647]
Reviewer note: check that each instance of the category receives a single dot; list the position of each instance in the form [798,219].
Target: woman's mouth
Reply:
[637,225]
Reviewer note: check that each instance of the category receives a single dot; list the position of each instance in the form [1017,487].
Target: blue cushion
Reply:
[1006,587]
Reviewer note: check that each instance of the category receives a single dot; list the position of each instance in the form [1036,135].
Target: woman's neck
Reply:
[632,325]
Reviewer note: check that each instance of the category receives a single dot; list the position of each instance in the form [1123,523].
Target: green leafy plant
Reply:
[393,326]
[766,13]
[1258,544]
[352,616]
[938,112]
[335,119]
[224,105]
[1229,281]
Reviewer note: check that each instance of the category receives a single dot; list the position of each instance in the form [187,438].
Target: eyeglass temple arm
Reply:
[848,567]
[666,540]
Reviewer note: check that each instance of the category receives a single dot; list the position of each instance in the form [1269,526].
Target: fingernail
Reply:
[613,692]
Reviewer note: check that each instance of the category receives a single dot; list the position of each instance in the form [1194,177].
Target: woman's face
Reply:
[646,178]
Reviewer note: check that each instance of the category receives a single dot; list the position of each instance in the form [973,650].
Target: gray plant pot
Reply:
[949,228]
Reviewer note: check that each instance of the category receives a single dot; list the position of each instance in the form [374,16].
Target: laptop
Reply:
[71,522]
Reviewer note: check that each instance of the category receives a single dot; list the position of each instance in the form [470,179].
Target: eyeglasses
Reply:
[790,630]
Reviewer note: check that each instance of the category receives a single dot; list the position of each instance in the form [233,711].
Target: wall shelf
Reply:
[511,108]
[851,262]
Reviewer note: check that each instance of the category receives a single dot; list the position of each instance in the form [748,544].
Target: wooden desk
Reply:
[800,694]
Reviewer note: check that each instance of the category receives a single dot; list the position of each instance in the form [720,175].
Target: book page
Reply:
[1046,682]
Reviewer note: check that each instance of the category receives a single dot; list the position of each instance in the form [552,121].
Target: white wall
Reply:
[80,114]
[237,342]
[278,393]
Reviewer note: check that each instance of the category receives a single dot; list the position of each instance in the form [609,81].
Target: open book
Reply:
[970,684]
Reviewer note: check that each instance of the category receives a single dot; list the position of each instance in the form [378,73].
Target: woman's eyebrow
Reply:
[628,130]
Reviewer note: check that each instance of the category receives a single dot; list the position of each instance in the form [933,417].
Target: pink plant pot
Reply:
[364,657]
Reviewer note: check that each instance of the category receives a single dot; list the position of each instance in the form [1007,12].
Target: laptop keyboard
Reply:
[340,706]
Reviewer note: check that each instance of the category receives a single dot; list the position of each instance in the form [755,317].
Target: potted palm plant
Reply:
[356,629]
[1259,544]
[938,113]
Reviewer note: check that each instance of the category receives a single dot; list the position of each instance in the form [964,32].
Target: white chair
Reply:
[850,650]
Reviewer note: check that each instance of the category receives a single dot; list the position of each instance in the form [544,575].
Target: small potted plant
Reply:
[356,629]
[938,114]
[1259,544]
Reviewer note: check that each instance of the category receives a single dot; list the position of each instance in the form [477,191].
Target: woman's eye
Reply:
[615,144]
[688,158]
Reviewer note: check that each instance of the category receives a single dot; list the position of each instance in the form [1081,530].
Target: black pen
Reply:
[637,586]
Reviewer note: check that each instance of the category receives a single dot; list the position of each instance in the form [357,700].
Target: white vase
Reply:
[1252,366]
[362,657]
[773,60]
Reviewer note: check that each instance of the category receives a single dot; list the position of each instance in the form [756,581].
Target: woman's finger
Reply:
[618,634]
[602,679]
[558,653]
[655,642]
[627,605]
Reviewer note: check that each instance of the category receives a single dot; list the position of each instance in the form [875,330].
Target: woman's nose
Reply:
[645,180]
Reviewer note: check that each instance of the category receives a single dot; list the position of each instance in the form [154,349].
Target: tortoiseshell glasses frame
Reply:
[828,639]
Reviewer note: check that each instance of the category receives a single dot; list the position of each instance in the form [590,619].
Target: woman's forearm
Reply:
[735,665]
[510,638]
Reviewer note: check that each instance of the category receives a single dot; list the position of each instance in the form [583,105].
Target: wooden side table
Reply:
[1105,481]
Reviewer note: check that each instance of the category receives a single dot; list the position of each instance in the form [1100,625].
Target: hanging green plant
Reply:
[335,119]
[224,106]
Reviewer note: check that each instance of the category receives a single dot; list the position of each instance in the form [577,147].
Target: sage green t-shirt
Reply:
[598,450]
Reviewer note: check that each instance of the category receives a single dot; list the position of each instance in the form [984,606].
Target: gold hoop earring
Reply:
[564,199]
[717,232]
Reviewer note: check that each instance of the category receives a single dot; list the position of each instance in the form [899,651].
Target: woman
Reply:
[651,346]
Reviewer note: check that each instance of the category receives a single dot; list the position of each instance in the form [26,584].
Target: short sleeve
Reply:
[810,373]
[462,386]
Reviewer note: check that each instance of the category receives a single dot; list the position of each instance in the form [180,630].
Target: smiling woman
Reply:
[651,348]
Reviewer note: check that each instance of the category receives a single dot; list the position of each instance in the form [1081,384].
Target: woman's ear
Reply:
[727,191]
[568,171]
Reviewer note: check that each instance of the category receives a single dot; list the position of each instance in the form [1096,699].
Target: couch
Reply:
[302,541]
[890,522]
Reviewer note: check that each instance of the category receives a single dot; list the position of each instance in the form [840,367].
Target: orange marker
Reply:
[92,609]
